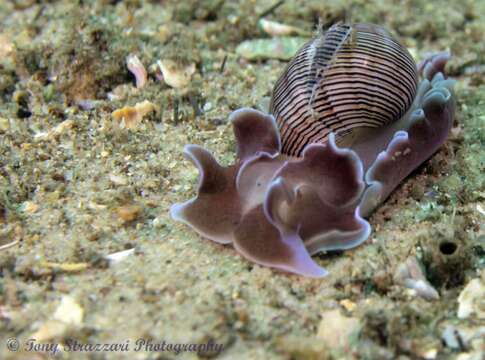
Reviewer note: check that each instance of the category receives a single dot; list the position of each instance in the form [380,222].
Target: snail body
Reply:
[345,79]
[293,191]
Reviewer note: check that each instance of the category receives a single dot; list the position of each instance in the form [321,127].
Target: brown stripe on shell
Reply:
[351,76]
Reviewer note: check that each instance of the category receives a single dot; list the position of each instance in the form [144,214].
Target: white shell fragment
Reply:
[120,255]
[480,209]
[410,275]
[68,316]
[8,245]
[59,129]
[69,311]
[175,75]
[275,28]
[137,69]
[472,300]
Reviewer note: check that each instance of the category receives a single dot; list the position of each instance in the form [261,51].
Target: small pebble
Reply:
[128,212]
[336,330]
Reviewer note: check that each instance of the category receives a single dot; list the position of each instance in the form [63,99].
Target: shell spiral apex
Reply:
[349,122]
[347,78]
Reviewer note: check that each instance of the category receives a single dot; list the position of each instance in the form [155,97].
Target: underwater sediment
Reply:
[91,160]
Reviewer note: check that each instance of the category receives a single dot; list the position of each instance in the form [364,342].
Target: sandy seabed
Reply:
[92,266]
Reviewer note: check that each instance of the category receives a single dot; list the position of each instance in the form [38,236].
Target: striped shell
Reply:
[347,78]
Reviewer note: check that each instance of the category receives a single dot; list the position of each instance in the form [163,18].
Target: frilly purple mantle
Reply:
[278,211]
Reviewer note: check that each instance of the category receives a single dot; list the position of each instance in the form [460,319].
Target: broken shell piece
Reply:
[410,275]
[8,245]
[60,129]
[274,28]
[68,315]
[63,127]
[131,116]
[175,75]
[472,300]
[69,311]
[348,305]
[136,67]
[121,92]
[120,255]
[480,209]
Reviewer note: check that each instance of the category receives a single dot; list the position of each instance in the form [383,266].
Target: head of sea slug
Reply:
[348,123]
